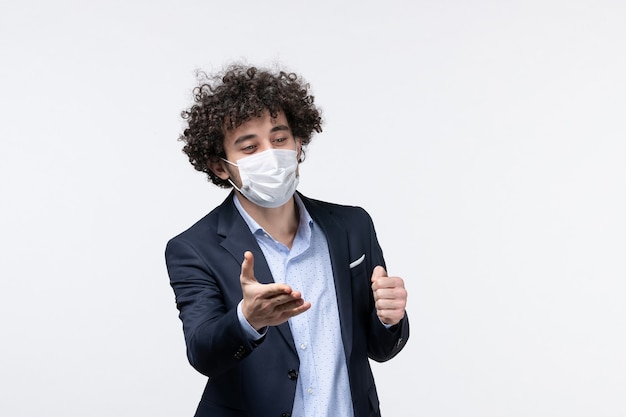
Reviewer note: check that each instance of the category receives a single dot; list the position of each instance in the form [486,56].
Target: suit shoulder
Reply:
[341,210]
[203,227]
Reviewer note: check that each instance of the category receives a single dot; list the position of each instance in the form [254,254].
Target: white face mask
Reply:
[268,178]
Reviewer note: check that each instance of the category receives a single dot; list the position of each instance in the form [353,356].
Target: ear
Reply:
[299,149]
[219,168]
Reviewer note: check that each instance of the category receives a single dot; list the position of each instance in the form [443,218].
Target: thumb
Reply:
[378,272]
[247,269]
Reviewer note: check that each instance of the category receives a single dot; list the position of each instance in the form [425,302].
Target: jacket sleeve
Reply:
[207,308]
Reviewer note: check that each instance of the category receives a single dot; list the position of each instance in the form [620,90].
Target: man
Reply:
[283,298]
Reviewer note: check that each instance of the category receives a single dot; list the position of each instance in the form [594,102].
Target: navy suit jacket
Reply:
[259,379]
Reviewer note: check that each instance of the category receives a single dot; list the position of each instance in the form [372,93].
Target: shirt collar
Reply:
[305,218]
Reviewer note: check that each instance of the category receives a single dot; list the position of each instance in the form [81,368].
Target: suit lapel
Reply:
[237,240]
[337,238]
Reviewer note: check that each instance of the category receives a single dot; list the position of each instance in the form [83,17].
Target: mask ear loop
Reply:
[228,179]
[233,184]
[231,163]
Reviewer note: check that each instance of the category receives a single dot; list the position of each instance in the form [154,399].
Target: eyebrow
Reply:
[278,128]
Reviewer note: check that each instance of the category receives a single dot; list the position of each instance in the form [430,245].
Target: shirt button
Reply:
[303,346]
[309,390]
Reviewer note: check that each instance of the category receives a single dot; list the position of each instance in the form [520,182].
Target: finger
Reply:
[284,313]
[390,293]
[295,307]
[388,282]
[247,268]
[286,304]
[279,294]
[383,304]
[378,272]
[276,293]
[391,317]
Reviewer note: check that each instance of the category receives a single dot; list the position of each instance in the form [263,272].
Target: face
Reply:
[254,136]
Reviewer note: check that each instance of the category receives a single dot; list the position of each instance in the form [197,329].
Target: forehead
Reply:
[256,126]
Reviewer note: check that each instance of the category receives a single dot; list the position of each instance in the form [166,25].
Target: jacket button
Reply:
[285,415]
[292,374]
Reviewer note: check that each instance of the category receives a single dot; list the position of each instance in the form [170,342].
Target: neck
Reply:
[280,222]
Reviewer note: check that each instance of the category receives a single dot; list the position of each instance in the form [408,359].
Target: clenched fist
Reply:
[389,296]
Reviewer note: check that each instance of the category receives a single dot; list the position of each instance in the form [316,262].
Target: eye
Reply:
[280,140]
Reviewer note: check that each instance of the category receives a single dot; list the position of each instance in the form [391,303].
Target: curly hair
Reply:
[226,101]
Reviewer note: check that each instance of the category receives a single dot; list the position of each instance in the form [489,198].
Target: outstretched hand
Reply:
[389,296]
[267,304]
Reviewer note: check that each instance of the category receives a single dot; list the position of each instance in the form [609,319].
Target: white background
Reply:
[485,138]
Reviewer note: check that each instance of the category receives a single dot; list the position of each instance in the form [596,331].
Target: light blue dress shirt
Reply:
[323,387]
